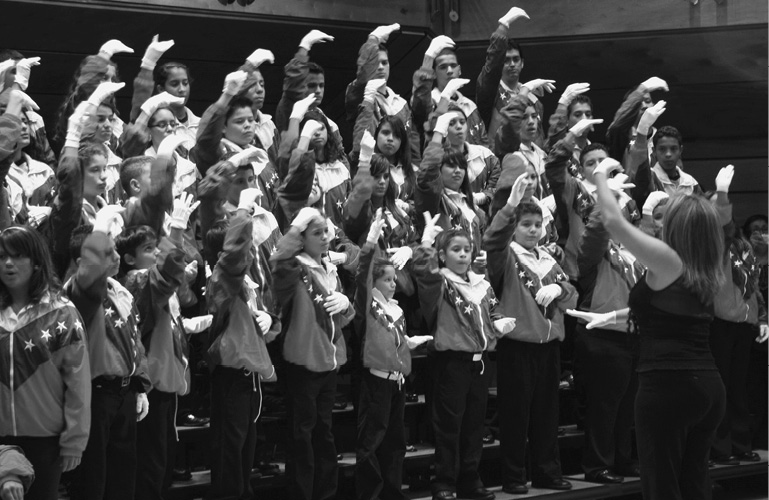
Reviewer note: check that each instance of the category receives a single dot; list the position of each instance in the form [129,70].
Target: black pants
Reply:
[108,469]
[312,466]
[527,387]
[381,439]
[607,361]
[155,436]
[677,413]
[43,454]
[731,344]
[459,408]
[235,404]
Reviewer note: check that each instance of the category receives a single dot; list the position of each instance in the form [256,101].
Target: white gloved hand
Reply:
[572,91]
[432,229]
[724,179]
[649,117]
[169,145]
[183,208]
[415,341]
[512,15]
[480,260]
[382,33]
[103,91]
[452,86]
[584,125]
[314,37]
[301,107]
[305,217]
[619,183]
[336,303]
[518,190]
[247,199]
[112,47]
[403,205]
[654,199]
[367,145]
[504,325]
[311,127]
[154,52]
[251,153]
[142,406]
[372,87]
[198,323]
[547,294]
[443,122]
[76,123]
[375,229]
[763,333]
[480,198]
[264,320]
[438,44]
[607,166]
[18,100]
[594,320]
[161,100]
[234,82]
[540,84]
[191,271]
[337,258]
[655,83]
[23,69]
[109,219]
[400,256]
[260,56]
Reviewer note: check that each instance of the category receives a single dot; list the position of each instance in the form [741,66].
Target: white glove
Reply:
[400,256]
[375,229]
[248,198]
[438,44]
[103,91]
[191,271]
[452,86]
[518,190]
[480,261]
[512,15]
[251,153]
[260,56]
[367,145]
[142,406]
[480,198]
[504,325]
[540,84]
[654,199]
[304,217]
[76,123]
[584,125]
[311,127]
[649,117]
[23,69]
[170,144]
[619,183]
[607,166]
[301,107]
[337,258]
[183,208]
[573,91]
[547,294]
[234,82]
[264,320]
[21,101]
[198,323]
[595,320]
[763,333]
[314,37]
[154,52]
[417,340]
[108,219]
[113,47]
[403,205]
[443,122]
[655,83]
[724,179]
[382,33]
[431,229]
[372,87]
[162,100]
[336,303]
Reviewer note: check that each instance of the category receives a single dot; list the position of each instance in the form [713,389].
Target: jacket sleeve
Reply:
[557,126]
[618,133]
[143,86]
[134,140]
[508,135]
[430,282]
[205,153]
[285,268]
[67,209]
[562,183]
[368,60]
[10,137]
[366,120]
[296,187]
[294,87]
[363,287]
[89,284]
[494,168]
[153,205]
[496,242]
[491,73]
[355,215]
[592,246]
[234,260]
[429,185]
[15,466]
[421,97]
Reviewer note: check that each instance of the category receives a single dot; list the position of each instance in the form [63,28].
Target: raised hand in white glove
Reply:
[415,341]
[547,294]
[504,325]
[183,208]
[480,198]
[23,70]
[375,229]
[403,205]
[655,83]
[654,199]
[518,190]
[246,156]
[438,44]
[724,179]
[400,256]
[607,166]
[512,15]
[452,87]
[191,271]
[311,127]
[584,125]
[155,51]
[18,101]
[572,91]
[336,303]
[382,33]
[649,117]
[234,82]
[109,220]
[594,320]
[367,145]
[540,85]
[161,100]
[103,91]
[763,333]
[619,183]
[112,47]
[305,217]
[198,323]
[76,123]
[169,145]
[142,406]
[301,107]
[337,258]
[443,122]
[432,229]
[372,87]
[314,37]
[264,320]
[260,56]
[247,199]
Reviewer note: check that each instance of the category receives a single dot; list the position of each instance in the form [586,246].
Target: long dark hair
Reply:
[22,241]
[332,150]
[403,155]
[380,166]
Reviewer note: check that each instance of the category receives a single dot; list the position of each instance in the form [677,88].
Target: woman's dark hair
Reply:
[456,158]
[378,269]
[403,155]
[23,241]
[750,220]
[381,166]
[161,73]
[332,151]
[129,240]
[238,102]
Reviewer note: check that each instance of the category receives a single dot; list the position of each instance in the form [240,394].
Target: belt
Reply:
[112,381]
[394,376]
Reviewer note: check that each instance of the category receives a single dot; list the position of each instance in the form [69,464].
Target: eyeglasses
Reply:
[165,124]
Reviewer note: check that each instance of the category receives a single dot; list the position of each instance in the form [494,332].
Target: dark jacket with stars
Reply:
[516,284]
[111,319]
[45,379]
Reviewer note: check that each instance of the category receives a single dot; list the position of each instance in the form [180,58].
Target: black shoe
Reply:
[477,494]
[750,456]
[552,484]
[628,471]
[730,460]
[603,476]
[444,495]
[515,488]
[181,475]
[190,420]
[488,438]
[412,397]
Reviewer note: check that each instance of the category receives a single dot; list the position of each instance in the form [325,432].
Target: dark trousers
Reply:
[153,436]
[235,404]
[731,344]
[677,413]
[108,469]
[43,454]
[312,465]
[607,361]
[527,389]
[459,409]
[381,439]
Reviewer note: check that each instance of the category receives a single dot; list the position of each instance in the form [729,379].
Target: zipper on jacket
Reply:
[13,390]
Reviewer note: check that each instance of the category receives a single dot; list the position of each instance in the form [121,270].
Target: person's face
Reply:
[590,161]
[142,183]
[24,139]
[244,178]
[528,230]
[146,255]
[257,92]
[101,124]
[452,176]
[15,270]
[315,193]
[387,142]
[178,84]
[316,84]
[95,177]
[529,124]
[380,188]
[580,111]
[239,128]
[668,152]
[386,283]
[162,124]
[114,263]
[457,131]
[446,68]
[658,214]
[646,102]
[457,255]
[383,66]
[511,70]
[315,238]
[533,182]
[758,227]
[320,137]
[111,75]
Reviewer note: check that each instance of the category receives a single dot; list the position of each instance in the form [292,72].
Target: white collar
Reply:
[390,306]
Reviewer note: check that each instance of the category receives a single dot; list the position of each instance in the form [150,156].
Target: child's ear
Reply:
[442,256]
[135,186]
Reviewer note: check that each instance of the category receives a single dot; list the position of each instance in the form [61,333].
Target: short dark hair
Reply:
[6,54]
[162,72]
[593,146]
[131,168]
[667,131]
[90,149]
[444,238]
[238,102]
[315,68]
[526,208]
[129,240]
[580,99]
[215,240]
[380,264]
[27,242]
[76,239]
[513,45]
[750,220]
